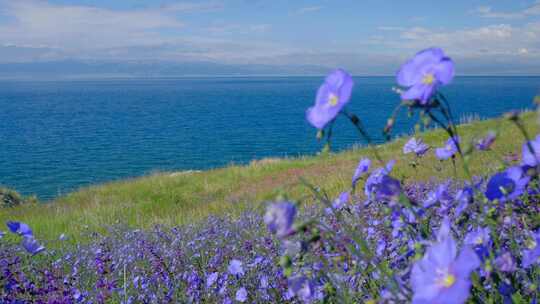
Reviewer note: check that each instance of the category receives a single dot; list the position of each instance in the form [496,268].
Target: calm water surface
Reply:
[59,136]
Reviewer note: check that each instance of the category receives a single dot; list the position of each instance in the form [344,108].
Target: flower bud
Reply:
[354,119]
[320,134]
[389,125]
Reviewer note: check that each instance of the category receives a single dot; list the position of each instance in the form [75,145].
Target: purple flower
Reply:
[292,248]
[440,194]
[332,96]
[279,218]
[340,202]
[241,295]
[211,279]
[449,149]
[2,233]
[415,145]
[480,236]
[505,262]
[507,185]
[506,290]
[397,224]
[301,287]
[361,169]
[529,158]
[426,71]
[19,228]
[485,143]
[380,185]
[264,282]
[235,268]
[32,245]
[480,240]
[531,255]
[381,246]
[464,197]
[442,276]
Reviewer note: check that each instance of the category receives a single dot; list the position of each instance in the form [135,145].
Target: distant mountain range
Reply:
[97,69]
[70,69]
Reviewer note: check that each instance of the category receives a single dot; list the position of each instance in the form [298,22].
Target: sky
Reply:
[366,37]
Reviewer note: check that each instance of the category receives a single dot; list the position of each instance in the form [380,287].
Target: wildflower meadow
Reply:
[383,239]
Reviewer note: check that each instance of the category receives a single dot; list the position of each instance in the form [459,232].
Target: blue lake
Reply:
[59,136]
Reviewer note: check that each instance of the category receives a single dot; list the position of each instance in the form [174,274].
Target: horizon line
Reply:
[202,76]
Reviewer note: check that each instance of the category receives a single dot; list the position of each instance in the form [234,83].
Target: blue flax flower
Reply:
[507,185]
[449,149]
[485,143]
[529,158]
[332,96]
[211,279]
[479,236]
[442,276]
[302,287]
[424,73]
[235,268]
[439,194]
[505,262]
[480,240]
[32,245]
[416,146]
[531,255]
[19,228]
[361,169]
[279,218]
[341,201]
[464,197]
[241,295]
[380,185]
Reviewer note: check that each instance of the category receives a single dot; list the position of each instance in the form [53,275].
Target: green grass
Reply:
[179,198]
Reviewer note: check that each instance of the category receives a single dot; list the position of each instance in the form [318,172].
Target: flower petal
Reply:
[412,71]
[444,71]
[345,91]
[466,262]
[420,92]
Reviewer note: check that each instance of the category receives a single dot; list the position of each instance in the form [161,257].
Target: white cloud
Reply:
[488,12]
[309,9]
[391,28]
[194,6]
[38,23]
[497,39]
[493,49]
[523,51]
[85,32]
[224,29]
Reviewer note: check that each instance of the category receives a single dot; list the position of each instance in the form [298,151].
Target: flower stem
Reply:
[452,133]
[356,122]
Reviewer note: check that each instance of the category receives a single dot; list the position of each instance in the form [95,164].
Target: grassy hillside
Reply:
[178,198]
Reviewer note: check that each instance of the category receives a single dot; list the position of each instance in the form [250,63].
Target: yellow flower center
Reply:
[428,79]
[531,244]
[479,240]
[448,280]
[333,100]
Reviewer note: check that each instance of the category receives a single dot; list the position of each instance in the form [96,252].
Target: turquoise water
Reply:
[59,136]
